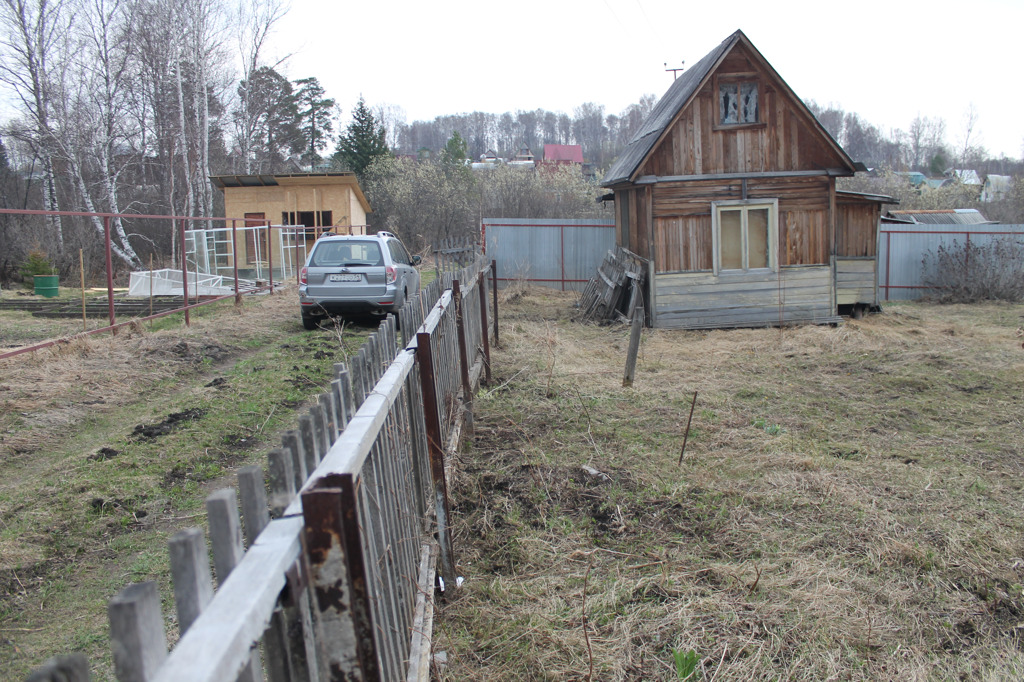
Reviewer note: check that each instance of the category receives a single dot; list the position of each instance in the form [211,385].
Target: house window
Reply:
[737,103]
[744,236]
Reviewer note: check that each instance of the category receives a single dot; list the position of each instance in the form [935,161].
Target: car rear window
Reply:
[346,253]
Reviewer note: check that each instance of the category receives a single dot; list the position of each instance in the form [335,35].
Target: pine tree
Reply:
[315,112]
[363,141]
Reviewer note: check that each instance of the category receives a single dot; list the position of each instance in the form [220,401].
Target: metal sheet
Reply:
[902,250]
[561,254]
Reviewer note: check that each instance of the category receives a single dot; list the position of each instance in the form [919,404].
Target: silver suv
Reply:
[359,274]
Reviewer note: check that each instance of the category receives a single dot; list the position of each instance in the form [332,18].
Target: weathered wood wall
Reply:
[856,281]
[857,227]
[785,139]
[700,300]
[682,219]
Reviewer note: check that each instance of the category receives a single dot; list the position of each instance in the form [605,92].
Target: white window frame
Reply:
[773,231]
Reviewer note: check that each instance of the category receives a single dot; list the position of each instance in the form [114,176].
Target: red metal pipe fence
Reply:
[177,224]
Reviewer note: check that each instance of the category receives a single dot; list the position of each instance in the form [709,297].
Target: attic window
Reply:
[737,102]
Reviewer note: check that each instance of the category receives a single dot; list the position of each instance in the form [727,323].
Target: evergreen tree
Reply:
[272,124]
[315,114]
[455,151]
[363,141]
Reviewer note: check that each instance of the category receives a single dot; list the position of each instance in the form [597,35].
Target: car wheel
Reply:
[309,323]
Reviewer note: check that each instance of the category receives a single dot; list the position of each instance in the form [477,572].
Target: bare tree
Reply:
[255,21]
[33,36]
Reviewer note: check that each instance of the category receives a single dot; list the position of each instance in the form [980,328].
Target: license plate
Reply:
[345,278]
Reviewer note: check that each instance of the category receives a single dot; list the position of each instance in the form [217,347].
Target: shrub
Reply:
[965,272]
[36,264]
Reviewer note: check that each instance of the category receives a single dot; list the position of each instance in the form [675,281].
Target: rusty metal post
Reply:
[494,293]
[184,272]
[464,357]
[110,270]
[270,258]
[337,578]
[234,258]
[435,448]
[482,286]
[460,326]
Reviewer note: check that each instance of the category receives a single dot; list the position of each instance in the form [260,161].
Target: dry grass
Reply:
[849,506]
[88,496]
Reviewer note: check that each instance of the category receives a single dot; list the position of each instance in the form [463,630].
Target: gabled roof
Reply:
[679,95]
[563,152]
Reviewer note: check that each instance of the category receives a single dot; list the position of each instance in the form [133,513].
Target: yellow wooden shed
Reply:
[280,216]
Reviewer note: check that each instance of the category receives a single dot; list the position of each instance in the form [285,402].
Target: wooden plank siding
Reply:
[682,219]
[856,281]
[857,223]
[784,140]
[701,300]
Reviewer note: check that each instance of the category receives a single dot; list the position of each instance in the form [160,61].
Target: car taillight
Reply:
[302,276]
[391,275]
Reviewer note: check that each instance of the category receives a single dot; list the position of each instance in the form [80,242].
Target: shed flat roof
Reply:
[223,182]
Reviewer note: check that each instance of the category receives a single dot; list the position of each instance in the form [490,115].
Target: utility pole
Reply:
[675,73]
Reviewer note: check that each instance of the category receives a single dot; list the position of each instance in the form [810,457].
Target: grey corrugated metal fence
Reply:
[562,254]
[902,250]
[339,584]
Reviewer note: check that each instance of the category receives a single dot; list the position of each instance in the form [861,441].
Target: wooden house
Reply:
[317,202]
[729,191]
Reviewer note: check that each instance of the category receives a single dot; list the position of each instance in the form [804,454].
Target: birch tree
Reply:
[32,39]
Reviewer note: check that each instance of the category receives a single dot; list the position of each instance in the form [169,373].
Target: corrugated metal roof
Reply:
[951,216]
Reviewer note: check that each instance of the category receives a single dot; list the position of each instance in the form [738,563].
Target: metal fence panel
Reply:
[902,250]
[562,254]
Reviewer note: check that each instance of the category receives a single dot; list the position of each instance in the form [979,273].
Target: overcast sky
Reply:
[887,61]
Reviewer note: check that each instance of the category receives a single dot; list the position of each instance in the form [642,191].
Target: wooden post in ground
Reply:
[226,541]
[634,346]
[190,573]
[137,633]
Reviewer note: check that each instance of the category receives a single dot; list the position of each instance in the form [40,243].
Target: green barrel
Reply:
[46,286]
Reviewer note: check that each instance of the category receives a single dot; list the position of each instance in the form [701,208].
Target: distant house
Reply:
[563,154]
[316,202]
[524,159]
[996,187]
[728,189]
[965,177]
[488,160]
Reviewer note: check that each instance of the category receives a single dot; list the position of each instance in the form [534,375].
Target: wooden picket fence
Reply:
[333,576]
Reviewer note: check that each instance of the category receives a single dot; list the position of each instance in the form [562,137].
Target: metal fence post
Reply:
[460,328]
[184,272]
[110,270]
[338,580]
[482,286]
[494,294]
[425,359]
